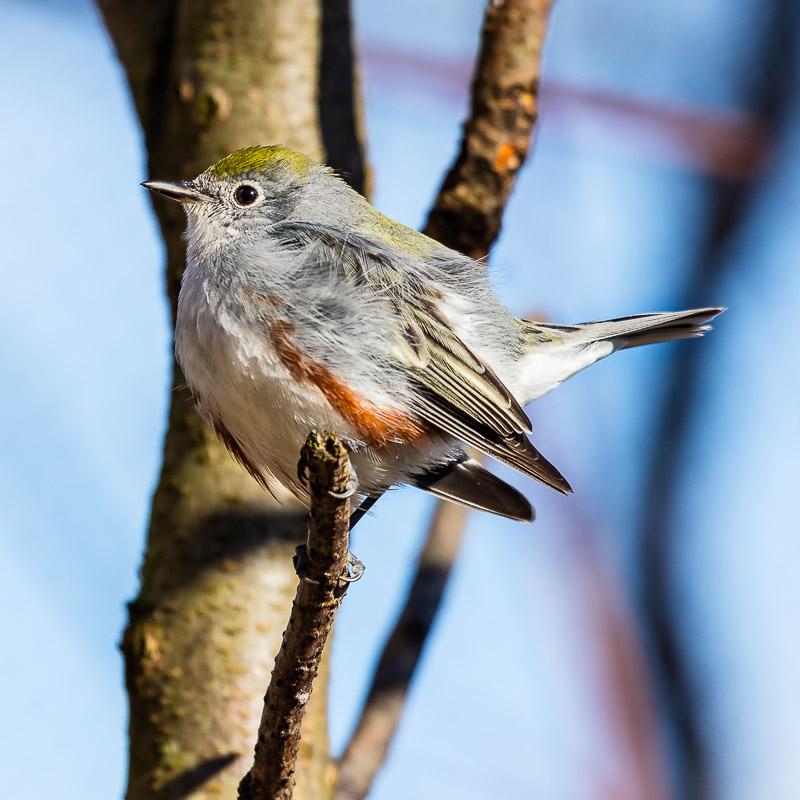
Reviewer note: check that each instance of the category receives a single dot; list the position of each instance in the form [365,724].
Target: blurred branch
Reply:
[370,741]
[772,96]
[625,687]
[340,112]
[725,142]
[319,595]
[726,203]
[466,216]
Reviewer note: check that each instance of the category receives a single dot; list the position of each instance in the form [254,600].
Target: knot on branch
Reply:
[324,459]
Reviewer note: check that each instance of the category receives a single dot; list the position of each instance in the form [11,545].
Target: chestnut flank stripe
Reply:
[376,426]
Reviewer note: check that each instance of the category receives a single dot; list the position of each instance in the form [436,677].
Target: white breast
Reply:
[239,381]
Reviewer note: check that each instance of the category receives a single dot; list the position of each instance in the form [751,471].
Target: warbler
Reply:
[303,307]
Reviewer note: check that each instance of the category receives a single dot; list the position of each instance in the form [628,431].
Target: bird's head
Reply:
[250,189]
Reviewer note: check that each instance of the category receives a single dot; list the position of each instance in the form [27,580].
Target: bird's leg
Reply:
[355,567]
[366,505]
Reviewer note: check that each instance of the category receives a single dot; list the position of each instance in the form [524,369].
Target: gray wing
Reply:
[456,391]
[460,394]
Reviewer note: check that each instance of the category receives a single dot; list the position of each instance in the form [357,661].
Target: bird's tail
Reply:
[556,352]
[647,328]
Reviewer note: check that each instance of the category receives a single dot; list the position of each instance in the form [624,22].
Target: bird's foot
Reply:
[300,561]
[353,571]
[355,568]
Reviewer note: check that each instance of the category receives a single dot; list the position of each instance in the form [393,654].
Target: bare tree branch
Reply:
[466,216]
[370,741]
[468,210]
[679,706]
[340,112]
[319,595]
[619,669]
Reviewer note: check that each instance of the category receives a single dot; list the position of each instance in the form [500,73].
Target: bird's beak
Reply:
[182,191]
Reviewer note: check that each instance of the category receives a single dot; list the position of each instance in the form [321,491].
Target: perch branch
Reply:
[319,594]
[466,216]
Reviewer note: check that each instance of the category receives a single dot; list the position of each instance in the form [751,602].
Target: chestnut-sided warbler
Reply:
[303,307]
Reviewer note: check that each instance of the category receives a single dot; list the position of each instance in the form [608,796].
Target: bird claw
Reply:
[352,486]
[353,571]
[355,568]
[303,478]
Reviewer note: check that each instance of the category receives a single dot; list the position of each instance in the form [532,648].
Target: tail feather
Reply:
[556,352]
[643,329]
[470,484]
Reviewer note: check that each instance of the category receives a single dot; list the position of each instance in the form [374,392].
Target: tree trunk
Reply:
[207,77]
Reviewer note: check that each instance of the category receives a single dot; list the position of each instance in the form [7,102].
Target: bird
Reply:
[302,307]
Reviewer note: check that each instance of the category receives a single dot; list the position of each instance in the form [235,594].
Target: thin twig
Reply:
[319,594]
[466,216]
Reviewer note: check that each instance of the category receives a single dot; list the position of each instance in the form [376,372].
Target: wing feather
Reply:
[457,391]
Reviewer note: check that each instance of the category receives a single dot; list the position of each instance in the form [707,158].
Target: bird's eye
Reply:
[245,195]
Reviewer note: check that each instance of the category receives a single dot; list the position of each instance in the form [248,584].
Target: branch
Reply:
[340,102]
[727,205]
[729,202]
[319,594]
[466,216]
[370,741]
[468,210]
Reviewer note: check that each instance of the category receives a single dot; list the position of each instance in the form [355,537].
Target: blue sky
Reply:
[601,225]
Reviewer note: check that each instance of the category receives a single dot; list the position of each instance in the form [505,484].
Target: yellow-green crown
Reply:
[261,159]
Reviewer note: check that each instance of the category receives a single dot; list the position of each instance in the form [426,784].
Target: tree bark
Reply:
[207,77]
